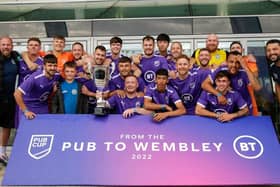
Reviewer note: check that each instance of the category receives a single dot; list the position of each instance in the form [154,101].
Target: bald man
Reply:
[9,68]
[218,56]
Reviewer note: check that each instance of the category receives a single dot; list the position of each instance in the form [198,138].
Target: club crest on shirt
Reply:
[192,85]
[229,101]
[156,63]
[218,56]
[138,104]
[74,91]
[240,82]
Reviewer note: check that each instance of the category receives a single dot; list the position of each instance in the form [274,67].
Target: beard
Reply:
[274,60]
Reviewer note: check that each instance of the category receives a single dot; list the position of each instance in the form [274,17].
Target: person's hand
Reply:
[222,100]
[242,62]
[136,59]
[33,66]
[172,74]
[224,117]
[121,93]
[128,112]
[29,115]
[85,90]
[159,116]
[107,61]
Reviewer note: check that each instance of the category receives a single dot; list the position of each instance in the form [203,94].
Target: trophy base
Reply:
[101,111]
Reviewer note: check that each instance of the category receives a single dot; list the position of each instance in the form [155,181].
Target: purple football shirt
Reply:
[121,104]
[239,83]
[149,66]
[189,89]
[168,97]
[36,90]
[25,72]
[117,83]
[209,101]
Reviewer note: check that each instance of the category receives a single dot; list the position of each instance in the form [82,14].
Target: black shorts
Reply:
[7,113]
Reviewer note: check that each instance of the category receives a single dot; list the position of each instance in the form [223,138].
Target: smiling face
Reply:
[33,47]
[124,68]
[182,66]
[273,52]
[99,56]
[116,48]
[176,50]
[222,84]
[77,51]
[6,46]
[131,84]
[58,45]
[233,64]
[204,58]
[148,47]
[212,42]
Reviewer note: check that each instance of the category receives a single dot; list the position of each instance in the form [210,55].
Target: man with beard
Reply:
[218,56]
[273,55]
[187,83]
[9,67]
[208,105]
[251,63]
[149,63]
[32,95]
[58,51]
[131,103]
[117,83]
[162,98]
[90,88]
[239,78]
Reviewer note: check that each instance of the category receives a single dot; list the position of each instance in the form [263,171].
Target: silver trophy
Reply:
[101,78]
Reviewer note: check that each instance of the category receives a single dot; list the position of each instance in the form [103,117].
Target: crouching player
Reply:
[209,106]
[132,102]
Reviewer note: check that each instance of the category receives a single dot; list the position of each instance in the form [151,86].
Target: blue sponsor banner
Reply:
[186,150]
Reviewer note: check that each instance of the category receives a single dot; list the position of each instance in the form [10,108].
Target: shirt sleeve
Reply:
[241,103]
[141,84]
[175,97]
[149,93]
[112,101]
[26,86]
[202,100]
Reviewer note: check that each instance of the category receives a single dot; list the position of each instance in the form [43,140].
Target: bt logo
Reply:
[248,147]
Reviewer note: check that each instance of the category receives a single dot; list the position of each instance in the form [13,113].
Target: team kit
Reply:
[161,83]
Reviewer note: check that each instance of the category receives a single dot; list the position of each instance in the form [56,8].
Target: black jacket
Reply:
[57,102]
